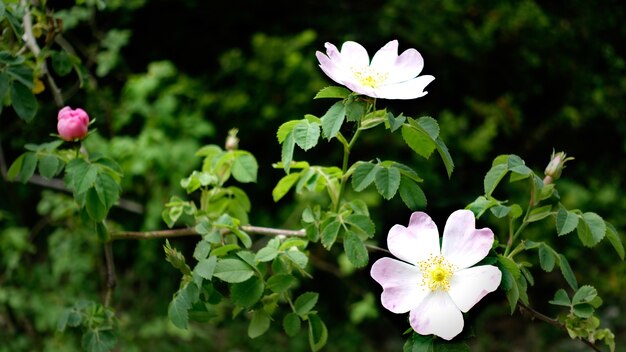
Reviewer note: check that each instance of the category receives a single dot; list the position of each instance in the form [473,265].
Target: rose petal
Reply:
[469,286]
[385,58]
[354,54]
[405,90]
[407,66]
[330,68]
[399,280]
[416,242]
[438,315]
[463,245]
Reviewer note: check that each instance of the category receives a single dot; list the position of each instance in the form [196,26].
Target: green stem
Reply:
[513,236]
[344,167]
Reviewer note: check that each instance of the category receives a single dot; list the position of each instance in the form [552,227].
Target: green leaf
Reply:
[206,267]
[29,164]
[500,211]
[585,294]
[480,205]
[364,175]
[567,272]
[178,309]
[395,122]
[429,125]
[547,258]
[247,293]
[361,223]
[318,333]
[23,101]
[614,238]
[510,266]
[259,324]
[98,340]
[332,92]
[285,129]
[418,141]
[292,324]
[387,182]
[305,302]
[266,254]
[49,165]
[61,62]
[419,343]
[16,168]
[591,229]
[560,298]
[329,233]
[21,74]
[355,250]
[108,189]
[4,85]
[95,208]
[540,213]
[355,109]
[284,185]
[411,194]
[244,167]
[298,258]
[493,177]
[233,270]
[583,310]
[445,156]
[83,176]
[281,282]
[566,221]
[333,119]
[306,134]
[286,155]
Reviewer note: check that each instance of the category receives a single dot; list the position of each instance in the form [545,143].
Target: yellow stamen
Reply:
[436,273]
[368,77]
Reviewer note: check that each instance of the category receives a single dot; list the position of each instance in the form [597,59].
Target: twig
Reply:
[554,322]
[146,235]
[32,45]
[110,272]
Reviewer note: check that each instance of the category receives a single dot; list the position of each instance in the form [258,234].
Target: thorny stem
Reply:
[526,310]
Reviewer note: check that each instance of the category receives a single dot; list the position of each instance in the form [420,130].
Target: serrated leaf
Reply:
[395,122]
[232,270]
[411,194]
[500,211]
[419,343]
[206,267]
[305,302]
[361,223]
[29,163]
[178,309]
[333,119]
[259,324]
[247,293]
[281,282]
[306,134]
[509,265]
[567,272]
[332,92]
[245,167]
[614,238]
[355,109]
[560,298]
[318,333]
[292,324]
[547,258]
[23,101]
[286,155]
[387,182]
[266,254]
[364,175]
[284,185]
[418,141]
[95,208]
[566,221]
[593,229]
[298,258]
[355,250]
[429,125]
[493,177]
[480,205]
[329,233]
[540,213]
[444,153]
[98,340]
[49,165]
[285,129]
[108,189]
[585,294]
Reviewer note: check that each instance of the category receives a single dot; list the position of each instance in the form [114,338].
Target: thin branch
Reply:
[147,235]
[31,43]
[526,310]
[110,273]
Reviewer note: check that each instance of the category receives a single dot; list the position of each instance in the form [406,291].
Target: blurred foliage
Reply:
[522,77]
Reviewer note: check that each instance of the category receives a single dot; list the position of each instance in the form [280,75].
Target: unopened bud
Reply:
[232,142]
[556,166]
[72,124]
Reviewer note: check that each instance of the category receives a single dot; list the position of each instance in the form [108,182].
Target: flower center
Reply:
[436,273]
[369,77]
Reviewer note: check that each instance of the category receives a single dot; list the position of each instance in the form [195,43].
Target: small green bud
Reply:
[556,166]
[232,142]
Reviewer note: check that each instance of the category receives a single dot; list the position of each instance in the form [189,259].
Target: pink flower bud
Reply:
[73,124]
[556,165]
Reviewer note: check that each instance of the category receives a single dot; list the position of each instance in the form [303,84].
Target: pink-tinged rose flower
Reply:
[387,76]
[73,124]
[436,285]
